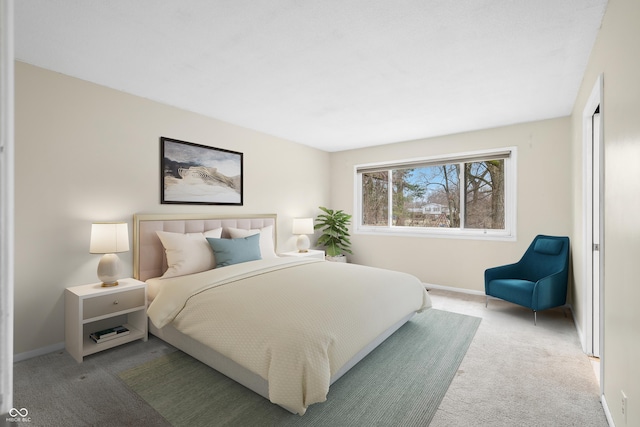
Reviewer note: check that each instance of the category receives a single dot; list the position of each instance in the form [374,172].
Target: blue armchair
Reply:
[538,281]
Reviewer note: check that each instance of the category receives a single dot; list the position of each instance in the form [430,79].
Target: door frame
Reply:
[594,102]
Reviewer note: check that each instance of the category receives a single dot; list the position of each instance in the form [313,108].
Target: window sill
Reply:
[439,234]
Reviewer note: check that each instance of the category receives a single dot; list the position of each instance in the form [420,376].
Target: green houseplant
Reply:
[335,232]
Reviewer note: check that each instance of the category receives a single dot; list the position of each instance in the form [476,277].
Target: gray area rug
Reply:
[58,391]
[402,382]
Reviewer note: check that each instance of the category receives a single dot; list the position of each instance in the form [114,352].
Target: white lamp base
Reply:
[303,243]
[109,269]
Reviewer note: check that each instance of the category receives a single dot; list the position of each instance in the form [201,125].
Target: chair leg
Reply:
[486,303]
[535,318]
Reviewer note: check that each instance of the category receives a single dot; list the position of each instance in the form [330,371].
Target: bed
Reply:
[285,327]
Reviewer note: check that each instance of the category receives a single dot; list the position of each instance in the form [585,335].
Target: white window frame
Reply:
[510,183]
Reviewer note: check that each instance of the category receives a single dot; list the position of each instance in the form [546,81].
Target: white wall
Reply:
[543,194]
[616,55]
[87,153]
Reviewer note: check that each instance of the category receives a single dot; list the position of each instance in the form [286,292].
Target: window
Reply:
[463,195]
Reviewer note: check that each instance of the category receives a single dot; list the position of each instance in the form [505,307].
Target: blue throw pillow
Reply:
[235,251]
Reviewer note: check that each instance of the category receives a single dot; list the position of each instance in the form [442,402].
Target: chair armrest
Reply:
[550,291]
[509,271]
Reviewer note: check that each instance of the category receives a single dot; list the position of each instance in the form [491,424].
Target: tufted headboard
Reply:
[149,258]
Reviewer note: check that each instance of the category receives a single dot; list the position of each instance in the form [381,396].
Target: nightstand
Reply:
[310,253]
[92,308]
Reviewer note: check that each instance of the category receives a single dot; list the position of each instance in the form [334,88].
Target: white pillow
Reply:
[188,253]
[267,248]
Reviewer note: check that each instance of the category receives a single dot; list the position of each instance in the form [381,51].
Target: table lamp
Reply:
[108,239]
[302,227]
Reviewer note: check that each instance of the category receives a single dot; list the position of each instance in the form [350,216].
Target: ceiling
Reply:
[331,74]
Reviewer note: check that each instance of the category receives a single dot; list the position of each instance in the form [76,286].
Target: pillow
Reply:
[267,248]
[235,251]
[548,246]
[187,253]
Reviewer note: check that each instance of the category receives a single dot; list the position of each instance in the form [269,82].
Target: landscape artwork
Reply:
[199,174]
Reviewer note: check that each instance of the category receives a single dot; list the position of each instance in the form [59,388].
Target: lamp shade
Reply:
[303,226]
[109,238]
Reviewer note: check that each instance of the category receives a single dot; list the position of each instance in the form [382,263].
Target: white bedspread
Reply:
[295,322]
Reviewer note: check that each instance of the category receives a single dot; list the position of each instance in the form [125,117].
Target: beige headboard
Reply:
[149,259]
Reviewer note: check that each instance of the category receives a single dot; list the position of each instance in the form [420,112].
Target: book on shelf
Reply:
[109,334]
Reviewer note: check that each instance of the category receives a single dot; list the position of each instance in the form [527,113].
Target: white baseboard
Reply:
[38,352]
[452,289]
[607,412]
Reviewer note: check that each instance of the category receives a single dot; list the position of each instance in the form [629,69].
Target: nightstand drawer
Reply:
[111,303]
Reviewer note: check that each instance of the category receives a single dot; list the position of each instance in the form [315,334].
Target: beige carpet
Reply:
[518,374]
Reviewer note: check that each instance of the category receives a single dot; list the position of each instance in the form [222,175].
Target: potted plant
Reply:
[335,233]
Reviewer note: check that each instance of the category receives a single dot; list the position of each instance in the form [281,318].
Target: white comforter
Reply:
[294,322]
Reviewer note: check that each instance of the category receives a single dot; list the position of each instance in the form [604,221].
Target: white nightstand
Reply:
[310,253]
[91,308]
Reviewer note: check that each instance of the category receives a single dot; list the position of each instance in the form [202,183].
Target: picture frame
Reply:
[199,174]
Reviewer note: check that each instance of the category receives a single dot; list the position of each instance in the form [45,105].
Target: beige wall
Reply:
[616,56]
[543,207]
[88,153]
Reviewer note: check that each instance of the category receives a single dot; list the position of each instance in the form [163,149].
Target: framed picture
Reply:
[198,174]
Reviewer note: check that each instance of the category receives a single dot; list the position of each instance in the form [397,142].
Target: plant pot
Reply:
[337,258]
